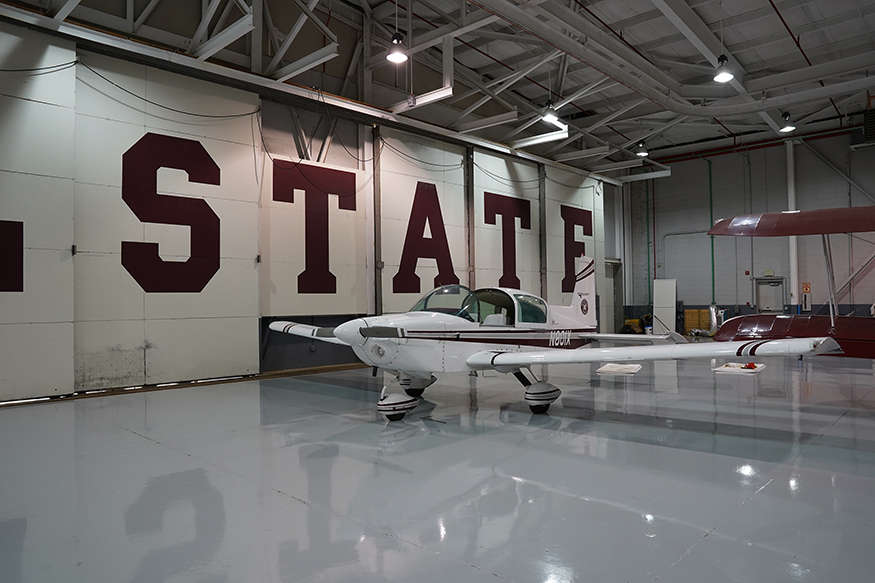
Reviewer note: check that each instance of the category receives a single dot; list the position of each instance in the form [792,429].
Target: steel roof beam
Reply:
[61,10]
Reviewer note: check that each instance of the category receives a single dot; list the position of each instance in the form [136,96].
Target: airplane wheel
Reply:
[395,406]
[540,395]
[414,392]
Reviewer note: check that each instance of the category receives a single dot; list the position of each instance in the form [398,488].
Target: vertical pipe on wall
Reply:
[711,210]
[378,225]
[542,226]
[647,219]
[791,206]
[626,225]
[850,236]
[469,212]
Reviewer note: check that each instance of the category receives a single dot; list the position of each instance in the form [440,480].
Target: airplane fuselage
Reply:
[433,342]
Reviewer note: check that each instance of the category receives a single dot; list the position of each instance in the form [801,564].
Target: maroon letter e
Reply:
[573,217]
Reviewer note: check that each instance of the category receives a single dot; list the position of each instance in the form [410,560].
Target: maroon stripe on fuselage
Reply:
[520,338]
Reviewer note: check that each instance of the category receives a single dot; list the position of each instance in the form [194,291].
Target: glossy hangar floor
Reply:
[676,474]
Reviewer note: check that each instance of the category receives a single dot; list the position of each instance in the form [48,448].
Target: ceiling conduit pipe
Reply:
[527,22]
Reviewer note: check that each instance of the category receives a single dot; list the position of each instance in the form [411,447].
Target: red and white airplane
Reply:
[854,334]
[455,329]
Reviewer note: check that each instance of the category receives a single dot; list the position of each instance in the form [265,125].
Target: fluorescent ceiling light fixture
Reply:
[723,74]
[542,138]
[788,127]
[397,54]
[550,115]
[641,150]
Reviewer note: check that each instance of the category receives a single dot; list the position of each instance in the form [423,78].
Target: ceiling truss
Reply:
[618,72]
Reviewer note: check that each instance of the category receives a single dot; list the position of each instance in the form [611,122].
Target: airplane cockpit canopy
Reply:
[490,306]
[454,299]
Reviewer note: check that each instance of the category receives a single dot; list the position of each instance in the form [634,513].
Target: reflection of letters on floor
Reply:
[146,516]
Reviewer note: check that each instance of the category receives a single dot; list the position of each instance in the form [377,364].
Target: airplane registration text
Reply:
[560,338]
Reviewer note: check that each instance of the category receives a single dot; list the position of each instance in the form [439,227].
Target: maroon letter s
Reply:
[140,166]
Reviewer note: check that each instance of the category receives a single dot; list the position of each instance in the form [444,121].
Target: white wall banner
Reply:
[506,223]
[314,234]
[424,240]
[166,222]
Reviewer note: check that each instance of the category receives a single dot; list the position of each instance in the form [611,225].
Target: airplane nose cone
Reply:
[349,332]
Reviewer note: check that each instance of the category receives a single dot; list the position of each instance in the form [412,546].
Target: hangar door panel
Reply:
[575,226]
[423,219]
[166,208]
[506,219]
[36,215]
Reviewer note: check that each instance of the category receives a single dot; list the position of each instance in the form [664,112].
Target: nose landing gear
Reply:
[394,405]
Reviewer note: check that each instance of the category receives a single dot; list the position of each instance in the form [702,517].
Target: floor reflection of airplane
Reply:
[455,329]
[854,334]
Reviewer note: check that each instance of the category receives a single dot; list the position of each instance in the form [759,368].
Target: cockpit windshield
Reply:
[456,300]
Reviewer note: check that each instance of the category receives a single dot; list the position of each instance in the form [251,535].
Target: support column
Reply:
[378,227]
[542,226]
[791,206]
[469,214]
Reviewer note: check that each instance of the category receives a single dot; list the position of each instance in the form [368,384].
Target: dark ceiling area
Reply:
[623,76]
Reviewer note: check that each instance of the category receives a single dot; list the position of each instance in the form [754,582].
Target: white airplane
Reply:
[455,329]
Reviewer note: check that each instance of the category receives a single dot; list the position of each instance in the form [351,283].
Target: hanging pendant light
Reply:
[788,127]
[550,115]
[397,54]
[723,74]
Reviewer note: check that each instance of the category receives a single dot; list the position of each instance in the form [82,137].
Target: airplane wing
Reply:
[814,222]
[306,331]
[510,361]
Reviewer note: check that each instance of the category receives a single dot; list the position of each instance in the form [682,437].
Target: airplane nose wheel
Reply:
[395,405]
[415,387]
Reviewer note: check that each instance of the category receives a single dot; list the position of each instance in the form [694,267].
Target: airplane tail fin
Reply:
[583,300]
[581,312]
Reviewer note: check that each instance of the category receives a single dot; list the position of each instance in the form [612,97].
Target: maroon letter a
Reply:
[426,209]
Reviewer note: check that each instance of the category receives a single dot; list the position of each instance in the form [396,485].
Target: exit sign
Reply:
[769,272]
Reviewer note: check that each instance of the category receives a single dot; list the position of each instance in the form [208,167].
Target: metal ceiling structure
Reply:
[619,72]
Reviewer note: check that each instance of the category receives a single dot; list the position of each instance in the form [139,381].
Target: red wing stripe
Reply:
[743,347]
[753,351]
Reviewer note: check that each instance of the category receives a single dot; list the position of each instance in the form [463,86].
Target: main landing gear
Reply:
[540,394]
[394,405]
